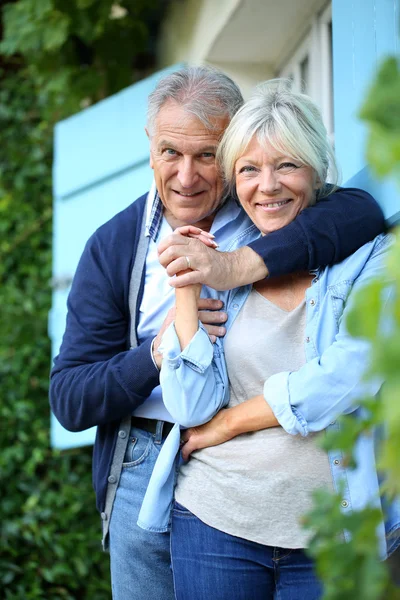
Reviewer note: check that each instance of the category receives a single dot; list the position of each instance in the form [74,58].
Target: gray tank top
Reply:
[257,486]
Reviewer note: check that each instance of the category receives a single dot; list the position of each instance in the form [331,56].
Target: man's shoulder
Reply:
[116,240]
[124,222]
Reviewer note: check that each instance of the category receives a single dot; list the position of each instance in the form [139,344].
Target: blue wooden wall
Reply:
[101,165]
[364,33]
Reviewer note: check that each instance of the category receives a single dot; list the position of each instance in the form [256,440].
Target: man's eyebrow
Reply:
[166,144]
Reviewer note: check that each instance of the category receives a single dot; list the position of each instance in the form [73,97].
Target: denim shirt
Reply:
[195,386]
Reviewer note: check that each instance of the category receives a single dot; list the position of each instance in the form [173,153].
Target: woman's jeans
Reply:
[208,564]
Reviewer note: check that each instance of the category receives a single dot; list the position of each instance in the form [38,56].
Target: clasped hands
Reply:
[190,242]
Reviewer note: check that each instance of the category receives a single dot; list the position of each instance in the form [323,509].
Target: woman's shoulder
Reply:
[351,267]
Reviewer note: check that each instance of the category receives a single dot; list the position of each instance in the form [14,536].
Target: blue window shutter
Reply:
[101,165]
[364,33]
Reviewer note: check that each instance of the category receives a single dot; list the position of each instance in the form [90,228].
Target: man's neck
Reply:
[204,224]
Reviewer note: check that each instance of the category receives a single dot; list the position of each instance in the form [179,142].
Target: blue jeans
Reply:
[140,560]
[208,564]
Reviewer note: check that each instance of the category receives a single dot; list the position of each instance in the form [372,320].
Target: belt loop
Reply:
[158,434]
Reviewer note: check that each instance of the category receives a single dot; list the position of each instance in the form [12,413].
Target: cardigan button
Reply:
[344,503]
[103,516]
[122,434]
[112,479]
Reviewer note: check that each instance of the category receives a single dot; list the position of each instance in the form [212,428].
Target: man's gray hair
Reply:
[204,92]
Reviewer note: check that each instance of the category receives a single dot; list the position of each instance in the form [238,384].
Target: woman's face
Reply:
[273,188]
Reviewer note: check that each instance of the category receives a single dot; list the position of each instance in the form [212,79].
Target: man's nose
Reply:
[187,173]
[269,181]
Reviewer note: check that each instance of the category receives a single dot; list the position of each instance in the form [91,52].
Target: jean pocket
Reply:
[136,451]
[181,510]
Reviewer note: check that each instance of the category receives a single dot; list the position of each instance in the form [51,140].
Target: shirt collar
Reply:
[154,213]
[227,212]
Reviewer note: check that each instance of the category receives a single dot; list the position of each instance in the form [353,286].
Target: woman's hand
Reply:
[213,433]
[198,234]
[252,415]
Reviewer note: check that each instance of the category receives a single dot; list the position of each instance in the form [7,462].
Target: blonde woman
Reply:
[285,370]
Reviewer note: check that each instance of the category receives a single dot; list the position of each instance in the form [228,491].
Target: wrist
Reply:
[156,356]
[248,266]
[231,422]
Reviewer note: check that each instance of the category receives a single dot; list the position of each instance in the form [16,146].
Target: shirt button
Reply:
[312,302]
[122,434]
[236,306]
[112,479]
[344,503]
[103,516]
[336,461]
[307,339]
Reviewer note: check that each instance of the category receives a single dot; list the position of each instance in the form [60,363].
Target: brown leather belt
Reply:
[150,425]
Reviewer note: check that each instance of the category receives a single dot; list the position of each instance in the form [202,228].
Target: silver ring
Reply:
[188,262]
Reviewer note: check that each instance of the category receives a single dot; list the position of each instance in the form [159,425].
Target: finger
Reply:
[185,435]
[187,450]
[187,279]
[192,229]
[213,339]
[175,239]
[208,317]
[210,304]
[213,330]
[205,240]
[178,266]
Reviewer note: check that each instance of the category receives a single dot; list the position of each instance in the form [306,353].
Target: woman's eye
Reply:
[247,169]
[288,165]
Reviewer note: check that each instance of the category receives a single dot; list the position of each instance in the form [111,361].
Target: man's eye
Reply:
[169,151]
[208,155]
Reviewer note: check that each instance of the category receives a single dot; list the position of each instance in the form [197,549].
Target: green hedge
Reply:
[50,529]
[56,57]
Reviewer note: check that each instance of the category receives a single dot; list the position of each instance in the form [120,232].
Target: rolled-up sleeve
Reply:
[310,399]
[193,381]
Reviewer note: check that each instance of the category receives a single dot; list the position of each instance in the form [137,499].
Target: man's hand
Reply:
[213,433]
[218,270]
[210,315]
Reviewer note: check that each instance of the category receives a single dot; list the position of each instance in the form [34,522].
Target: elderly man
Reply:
[107,371]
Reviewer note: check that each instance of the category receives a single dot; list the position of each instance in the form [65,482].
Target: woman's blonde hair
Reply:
[287,120]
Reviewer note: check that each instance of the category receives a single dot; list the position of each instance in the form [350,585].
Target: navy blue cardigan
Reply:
[97,379]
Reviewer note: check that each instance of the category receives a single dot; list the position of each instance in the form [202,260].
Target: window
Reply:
[310,66]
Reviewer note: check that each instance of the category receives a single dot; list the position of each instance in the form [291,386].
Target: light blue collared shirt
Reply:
[195,386]
[158,295]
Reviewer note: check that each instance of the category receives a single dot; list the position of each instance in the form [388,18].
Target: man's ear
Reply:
[151,156]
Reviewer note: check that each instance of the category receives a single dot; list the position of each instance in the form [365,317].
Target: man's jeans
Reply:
[140,560]
[211,565]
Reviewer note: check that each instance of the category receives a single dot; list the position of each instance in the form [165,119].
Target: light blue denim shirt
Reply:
[195,386]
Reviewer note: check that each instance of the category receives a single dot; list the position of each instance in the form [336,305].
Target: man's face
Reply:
[182,155]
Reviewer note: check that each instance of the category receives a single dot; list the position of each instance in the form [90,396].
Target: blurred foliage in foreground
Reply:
[352,571]
[56,56]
